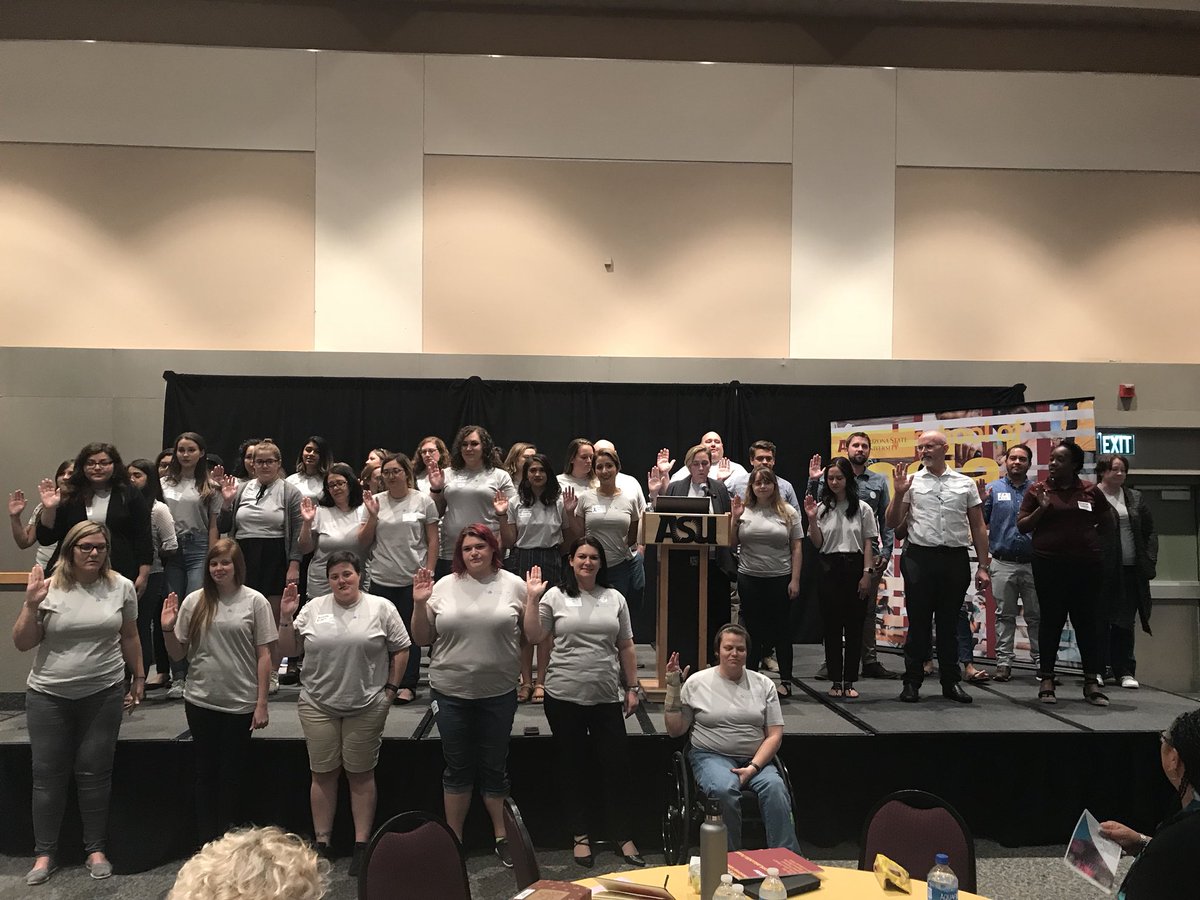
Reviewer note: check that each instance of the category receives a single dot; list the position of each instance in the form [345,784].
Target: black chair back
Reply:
[525,864]
[413,855]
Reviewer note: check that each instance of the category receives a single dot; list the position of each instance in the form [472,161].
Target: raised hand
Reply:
[534,585]
[570,501]
[216,474]
[170,612]
[1043,495]
[371,502]
[36,587]
[289,603]
[810,506]
[981,486]
[229,488]
[737,506]
[308,510]
[48,491]
[422,585]
[657,480]
[814,466]
[723,469]
[665,464]
[437,478]
[901,480]
[16,503]
[500,504]
[673,671]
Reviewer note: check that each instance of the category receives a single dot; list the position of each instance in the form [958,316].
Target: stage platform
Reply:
[1018,770]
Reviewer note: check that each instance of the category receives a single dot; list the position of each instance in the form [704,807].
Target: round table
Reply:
[842,884]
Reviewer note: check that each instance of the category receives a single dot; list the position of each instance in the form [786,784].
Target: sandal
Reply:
[539,694]
[979,676]
[1046,695]
[849,692]
[1096,697]
[836,690]
[586,861]
[785,689]
[524,692]
[401,700]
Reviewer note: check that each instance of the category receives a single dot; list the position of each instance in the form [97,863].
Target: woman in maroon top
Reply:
[1067,517]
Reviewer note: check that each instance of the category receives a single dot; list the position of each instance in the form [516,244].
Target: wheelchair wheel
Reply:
[674,834]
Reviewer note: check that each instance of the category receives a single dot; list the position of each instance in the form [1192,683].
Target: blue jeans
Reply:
[185,575]
[714,778]
[475,737]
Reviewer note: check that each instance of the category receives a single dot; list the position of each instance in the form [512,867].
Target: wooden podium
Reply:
[674,534]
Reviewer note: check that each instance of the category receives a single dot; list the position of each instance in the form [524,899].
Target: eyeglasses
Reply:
[340,483]
[266,462]
[430,451]
[392,473]
[98,464]
[89,549]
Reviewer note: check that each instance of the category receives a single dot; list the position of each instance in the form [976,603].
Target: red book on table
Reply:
[746,864]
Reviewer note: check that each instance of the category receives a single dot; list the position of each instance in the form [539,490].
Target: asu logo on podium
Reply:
[686,529]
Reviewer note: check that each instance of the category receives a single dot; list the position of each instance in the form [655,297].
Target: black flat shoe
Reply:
[785,689]
[633,859]
[586,861]
[910,694]
[956,693]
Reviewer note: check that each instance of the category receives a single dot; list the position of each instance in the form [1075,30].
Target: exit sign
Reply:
[1116,443]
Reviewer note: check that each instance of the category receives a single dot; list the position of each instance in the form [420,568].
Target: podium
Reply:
[679,536]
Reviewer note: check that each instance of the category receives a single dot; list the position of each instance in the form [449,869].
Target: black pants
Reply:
[1115,642]
[842,613]
[766,609]
[222,749]
[935,582]
[402,599]
[154,649]
[588,738]
[1068,587]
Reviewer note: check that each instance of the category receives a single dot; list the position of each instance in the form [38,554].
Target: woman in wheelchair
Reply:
[736,730]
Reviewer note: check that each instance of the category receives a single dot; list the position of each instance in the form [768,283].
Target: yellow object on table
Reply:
[836,884]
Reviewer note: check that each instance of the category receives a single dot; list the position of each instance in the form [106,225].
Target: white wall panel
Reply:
[607,109]
[76,92]
[843,212]
[1036,120]
[369,183]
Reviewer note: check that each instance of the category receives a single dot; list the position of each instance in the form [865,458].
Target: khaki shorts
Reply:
[350,741]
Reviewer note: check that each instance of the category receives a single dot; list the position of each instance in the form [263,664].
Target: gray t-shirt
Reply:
[400,542]
[223,671]
[190,512]
[607,519]
[584,666]
[469,497]
[346,650]
[730,717]
[844,534]
[80,651]
[335,530]
[765,541]
[262,517]
[162,533]
[538,525]
[310,486]
[477,652]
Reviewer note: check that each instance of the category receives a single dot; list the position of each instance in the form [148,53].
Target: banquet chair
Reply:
[910,827]
[685,808]
[413,854]
[525,864]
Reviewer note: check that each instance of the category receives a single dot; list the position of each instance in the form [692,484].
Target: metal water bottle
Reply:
[714,848]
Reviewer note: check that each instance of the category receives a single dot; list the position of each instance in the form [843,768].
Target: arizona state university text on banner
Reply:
[978,440]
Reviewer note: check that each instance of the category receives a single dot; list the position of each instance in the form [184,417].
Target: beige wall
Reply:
[1095,266]
[515,253]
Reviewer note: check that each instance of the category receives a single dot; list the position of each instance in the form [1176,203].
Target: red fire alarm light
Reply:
[1126,391]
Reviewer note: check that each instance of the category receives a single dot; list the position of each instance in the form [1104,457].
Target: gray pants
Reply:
[1010,581]
[68,736]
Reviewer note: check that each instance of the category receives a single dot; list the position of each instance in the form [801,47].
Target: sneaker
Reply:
[273,688]
[770,663]
[175,691]
[503,853]
[1128,681]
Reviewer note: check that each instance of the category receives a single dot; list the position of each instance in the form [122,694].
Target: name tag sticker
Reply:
[603,598]
[525,513]
[597,509]
[410,517]
[874,495]
[1085,505]
[573,601]
[325,619]
[1003,496]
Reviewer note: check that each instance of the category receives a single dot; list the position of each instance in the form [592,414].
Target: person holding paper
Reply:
[1165,863]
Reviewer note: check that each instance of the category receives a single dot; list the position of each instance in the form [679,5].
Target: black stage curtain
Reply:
[356,414]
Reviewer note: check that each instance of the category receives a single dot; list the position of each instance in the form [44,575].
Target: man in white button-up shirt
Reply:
[942,512]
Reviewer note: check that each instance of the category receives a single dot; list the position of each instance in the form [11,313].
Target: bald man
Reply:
[722,466]
[942,511]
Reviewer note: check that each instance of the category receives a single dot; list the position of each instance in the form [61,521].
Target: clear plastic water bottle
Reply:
[725,890]
[772,888]
[739,891]
[942,882]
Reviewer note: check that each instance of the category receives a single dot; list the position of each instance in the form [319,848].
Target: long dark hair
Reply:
[204,482]
[78,485]
[354,490]
[552,490]
[488,448]
[241,460]
[827,496]
[569,585]
[324,455]
[1184,736]
[153,489]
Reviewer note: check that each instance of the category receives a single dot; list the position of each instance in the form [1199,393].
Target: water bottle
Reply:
[714,848]
[725,891]
[739,890]
[942,882]
[772,888]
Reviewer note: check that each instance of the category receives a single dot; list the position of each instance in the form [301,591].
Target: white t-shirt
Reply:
[80,650]
[400,545]
[632,488]
[469,497]
[335,530]
[765,541]
[584,666]
[841,534]
[346,650]
[730,717]
[477,652]
[162,533]
[262,517]
[311,486]
[538,525]
[97,508]
[42,554]
[223,661]
[607,519]
[191,514]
